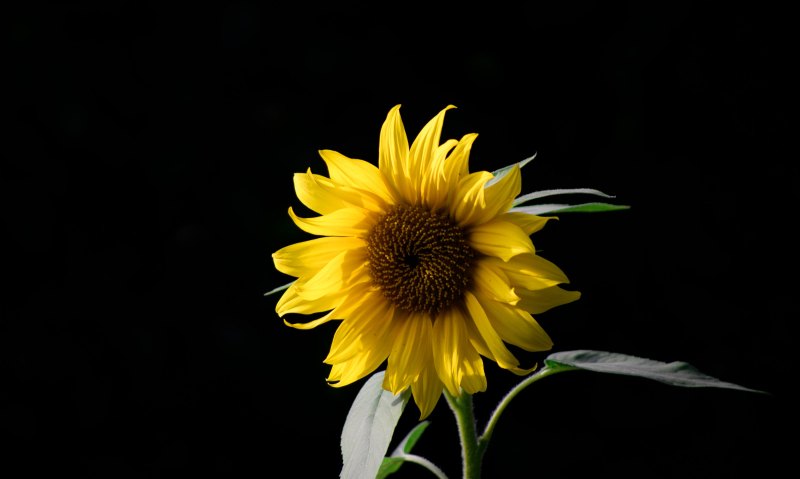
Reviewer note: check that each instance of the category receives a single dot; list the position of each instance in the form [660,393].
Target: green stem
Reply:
[483,440]
[471,455]
[424,463]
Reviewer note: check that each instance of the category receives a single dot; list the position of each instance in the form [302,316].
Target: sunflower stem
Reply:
[471,454]
[483,440]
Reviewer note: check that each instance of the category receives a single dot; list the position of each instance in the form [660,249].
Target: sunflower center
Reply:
[419,259]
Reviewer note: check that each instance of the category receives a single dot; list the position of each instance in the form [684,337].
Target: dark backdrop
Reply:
[148,170]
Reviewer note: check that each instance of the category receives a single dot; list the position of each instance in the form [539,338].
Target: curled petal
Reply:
[342,222]
[308,257]
[357,174]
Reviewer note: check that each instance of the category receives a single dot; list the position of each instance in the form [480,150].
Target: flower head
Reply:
[422,262]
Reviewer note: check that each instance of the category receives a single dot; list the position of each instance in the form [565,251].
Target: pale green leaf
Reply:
[545,209]
[561,191]
[391,464]
[279,288]
[677,373]
[498,174]
[369,427]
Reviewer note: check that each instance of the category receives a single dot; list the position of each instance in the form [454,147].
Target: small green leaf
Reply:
[676,373]
[539,210]
[504,171]
[561,191]
[279,288]
[391,464]
[412,437]
[369,427]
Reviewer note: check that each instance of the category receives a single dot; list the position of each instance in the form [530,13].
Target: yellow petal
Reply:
[490,281]
[322,195]
[499,197]
[541,300]
[357,174]
[469,197]
[364,328]
[311,324]
[310,192]
[343,222]
[498,350]
[457,164]
[335,275]
[393,153]
[350,371]
[501,239]
[350,299]
[434,191]
[516,326]
[457,362]
[531,271]
[427,389]
[421,154]
[308,257]
[291,302]
[529,223]
[412,335]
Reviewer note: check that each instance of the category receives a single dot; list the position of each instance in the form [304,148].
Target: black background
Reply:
[148,171]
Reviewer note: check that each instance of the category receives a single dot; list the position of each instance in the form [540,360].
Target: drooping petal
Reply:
[355,368]
[308,257]
[457,362]
[531,271]
[490,281]
[529,223]
[541,300]
[365,327]
[499,352]
[427,389]
[343,222]
[393,154]
[357,174]
[412,335]
[516,326]
[500,239]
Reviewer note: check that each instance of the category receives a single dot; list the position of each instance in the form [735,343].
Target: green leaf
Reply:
[279,288]
[504,171]
[561,191]
[539,210]
[369,427]
[391,464]
[676,373]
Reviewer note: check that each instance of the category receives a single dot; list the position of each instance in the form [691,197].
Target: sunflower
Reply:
[424,263]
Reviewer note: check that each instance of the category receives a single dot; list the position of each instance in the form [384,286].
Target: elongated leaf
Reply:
[279,288]
[676,373]
[369,427]
[504,171]
[561,191]
[391,464]
[562,208]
